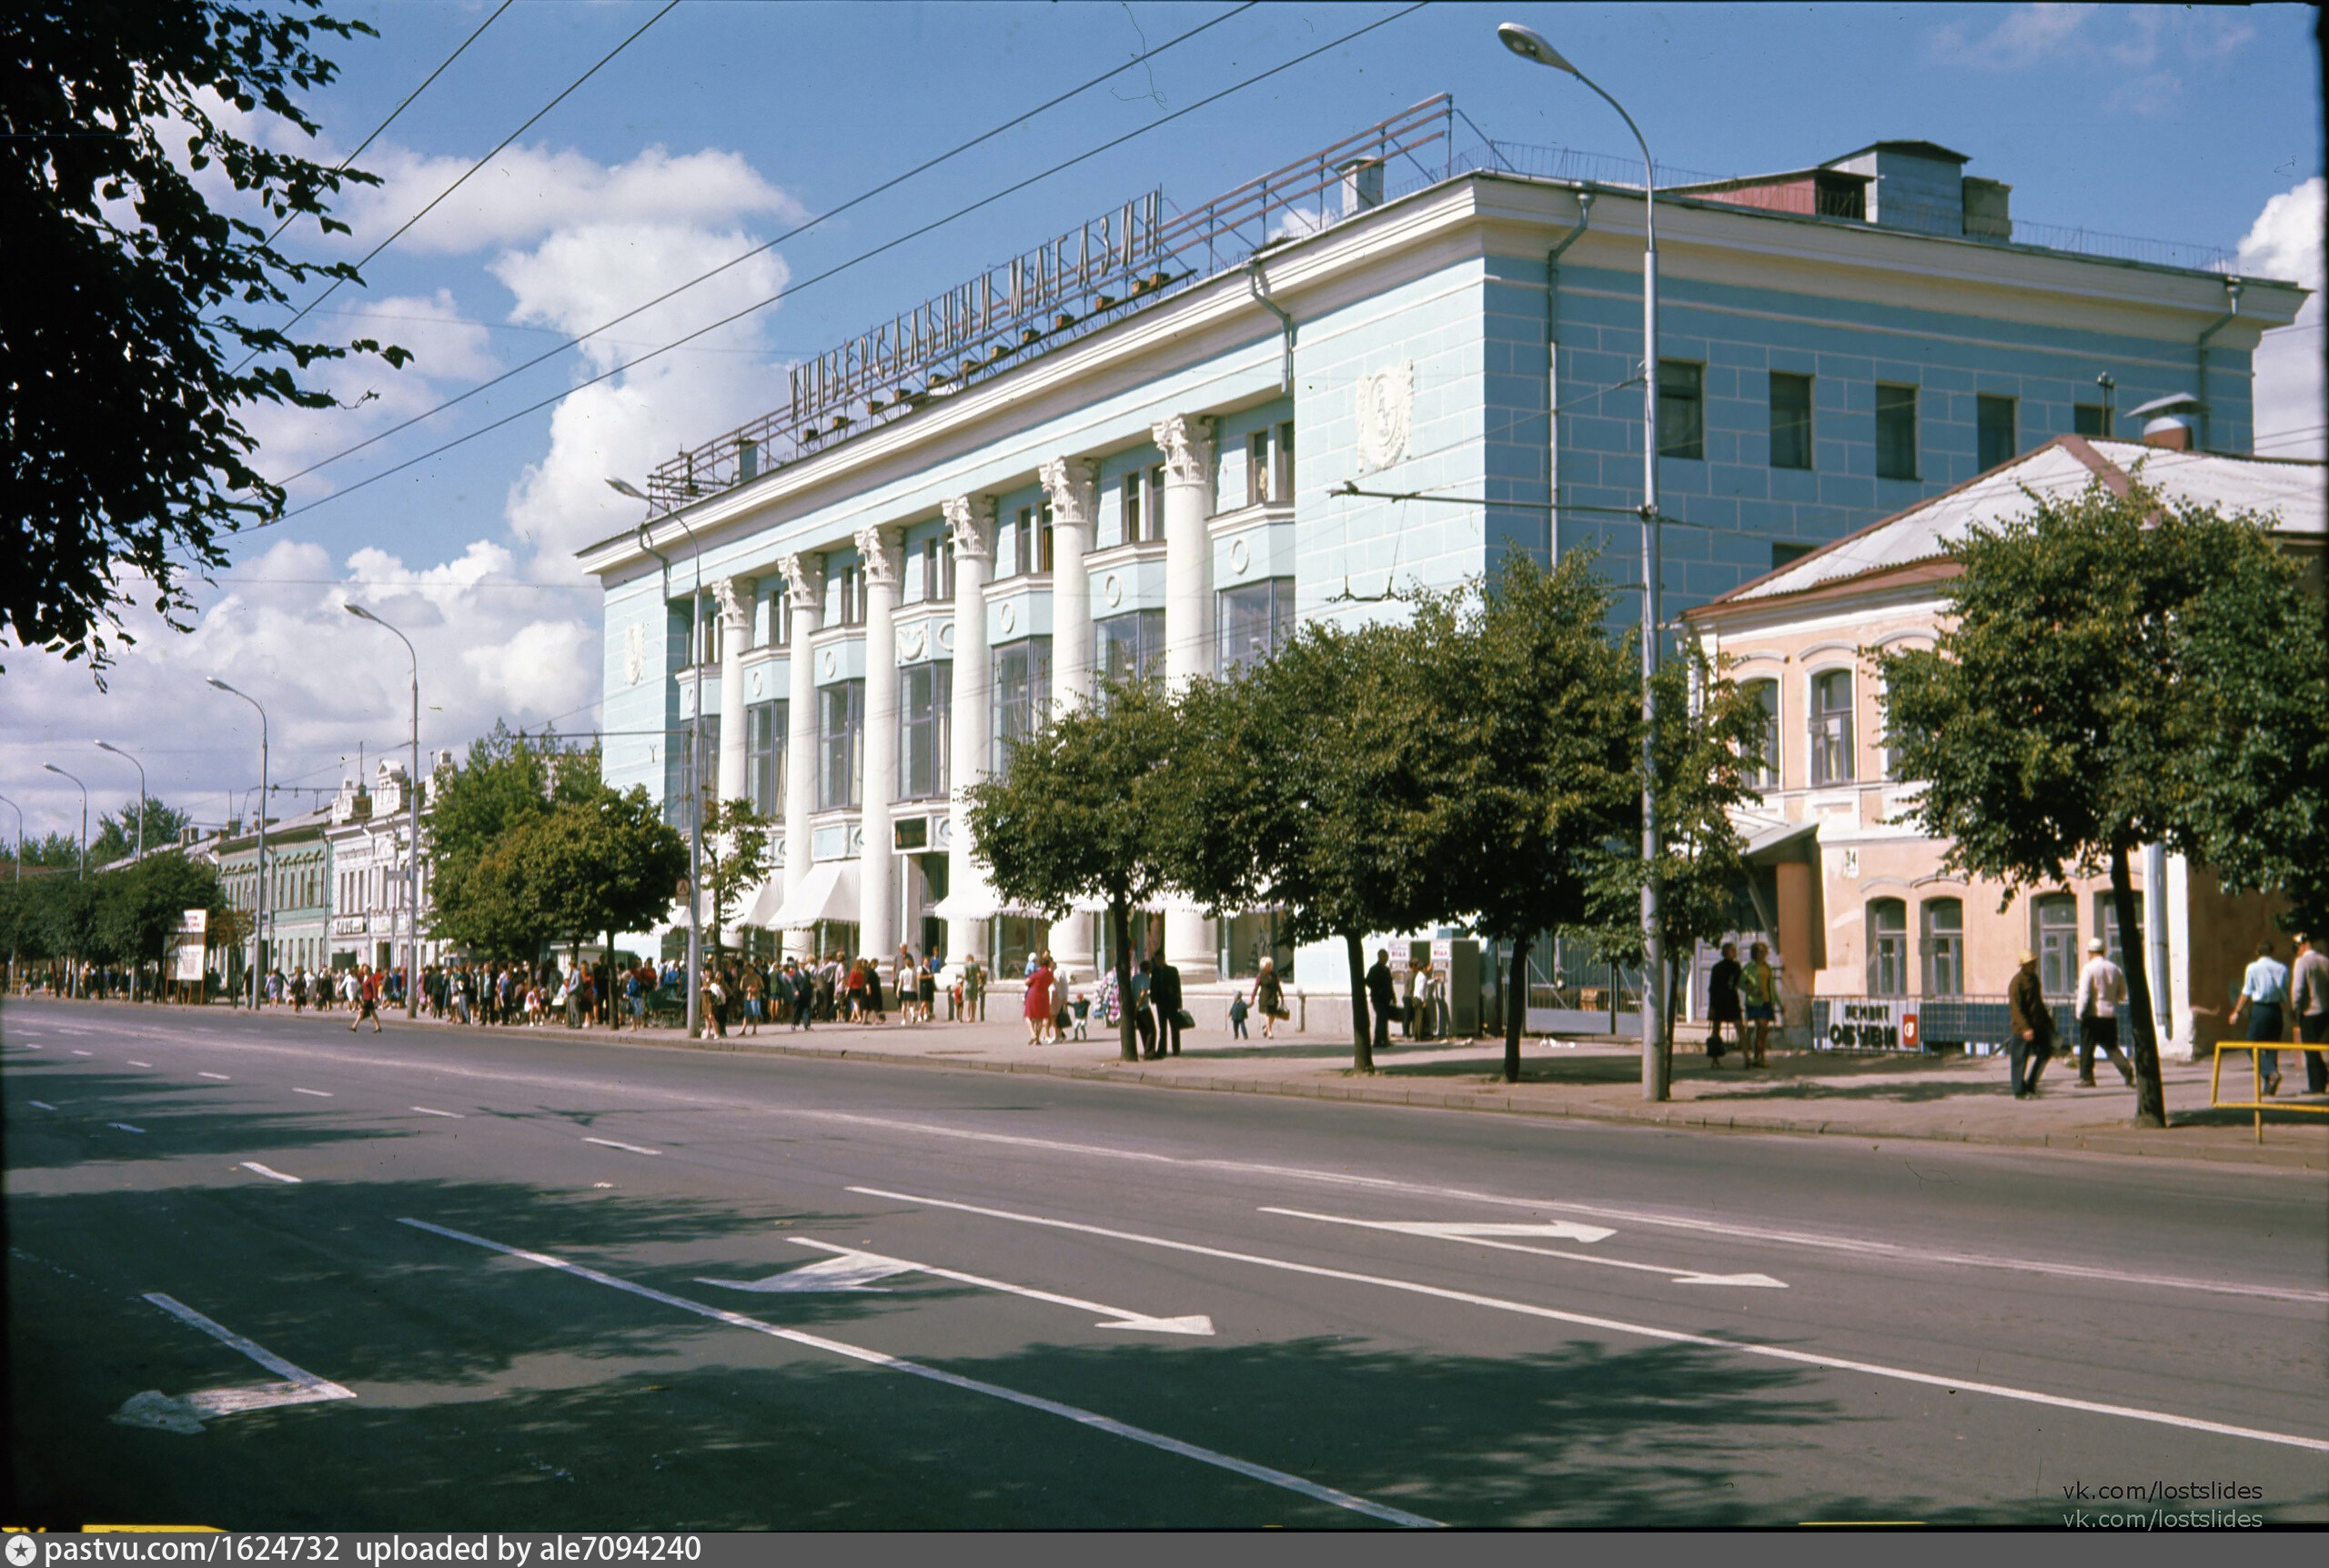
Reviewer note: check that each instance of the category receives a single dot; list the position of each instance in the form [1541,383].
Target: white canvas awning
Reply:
[829,893]
[766,906]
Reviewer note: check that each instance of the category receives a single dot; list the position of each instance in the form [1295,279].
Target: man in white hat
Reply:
[2101,988]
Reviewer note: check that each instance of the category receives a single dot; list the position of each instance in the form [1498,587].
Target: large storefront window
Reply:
[841,744]
[764,726]
[1130,644]
[1023,693]
[925,723]
[1255,621]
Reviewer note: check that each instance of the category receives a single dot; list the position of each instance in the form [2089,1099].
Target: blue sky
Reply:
[725,124]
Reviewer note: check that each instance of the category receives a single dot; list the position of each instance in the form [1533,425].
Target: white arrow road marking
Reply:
[269,1172]
[126,1127]
[852,1270]
[319,1094]
[187,1413]
[220,1076]
[1097,1423]
[1616,1325]
[40,1105]
[613,1143]
[427,1110]
[1482,1236]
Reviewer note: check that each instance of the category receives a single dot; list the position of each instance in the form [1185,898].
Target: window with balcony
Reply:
[1790,420]
[841,744]
[1253,622]
[1682,410]
[925,720]
[1022,693]
[1896,432]
[1832,728]
[1944,947]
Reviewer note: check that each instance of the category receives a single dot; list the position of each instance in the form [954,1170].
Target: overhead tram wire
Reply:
[793,233]
[838,268]
[464,176]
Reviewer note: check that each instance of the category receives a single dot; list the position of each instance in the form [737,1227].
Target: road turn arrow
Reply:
[1487,1236]
[850,1269]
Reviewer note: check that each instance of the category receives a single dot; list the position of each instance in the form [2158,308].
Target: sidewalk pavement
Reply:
[1947,1099]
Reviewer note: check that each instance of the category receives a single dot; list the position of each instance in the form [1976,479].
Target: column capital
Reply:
[804,578]
[970,526]
[876,548]
[1186,440]
[734,597]
[1072,486]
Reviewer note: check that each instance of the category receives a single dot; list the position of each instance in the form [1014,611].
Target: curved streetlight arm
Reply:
[412,804]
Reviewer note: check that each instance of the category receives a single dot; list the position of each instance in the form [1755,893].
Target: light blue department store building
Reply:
[1131,446]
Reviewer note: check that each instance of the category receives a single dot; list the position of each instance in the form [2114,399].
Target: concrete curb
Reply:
[2124,1142]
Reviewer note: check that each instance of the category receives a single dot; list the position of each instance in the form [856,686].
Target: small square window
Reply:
[2087,419]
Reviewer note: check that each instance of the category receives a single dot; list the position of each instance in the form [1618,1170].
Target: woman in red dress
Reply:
[1039,1008]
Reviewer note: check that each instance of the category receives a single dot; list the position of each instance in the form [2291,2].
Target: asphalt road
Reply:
[477,1280]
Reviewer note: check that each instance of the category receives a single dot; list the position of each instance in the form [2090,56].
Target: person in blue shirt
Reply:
[2264,997]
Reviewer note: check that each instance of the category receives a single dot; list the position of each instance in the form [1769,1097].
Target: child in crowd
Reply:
[1237,1012]
[1082,1014]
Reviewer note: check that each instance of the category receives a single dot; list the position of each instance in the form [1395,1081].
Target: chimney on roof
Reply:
[1362,185]
[2171,422]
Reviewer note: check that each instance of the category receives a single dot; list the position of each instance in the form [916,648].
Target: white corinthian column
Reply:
[1187,446]
[877,866]
[804,579]
[970,533]
[1074,491]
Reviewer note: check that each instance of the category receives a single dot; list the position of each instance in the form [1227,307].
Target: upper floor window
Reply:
[682,778]
[845,594]
[2088,419]
[1944,947]
[925,715]
[1832,728]
[937,570]
[1142,508]
[1994,430]
[1790,420]
[2054,920]
[772,614]
[1896,432]
[1026,543]
[1269,466]
[1888,948]
[1682,410]
[764,726]
[1022,693]
[1255,621]
[1130,644]
[1763,769]
[841,744]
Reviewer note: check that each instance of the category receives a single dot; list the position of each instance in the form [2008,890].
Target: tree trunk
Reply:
[1673,988]
[1120,922]
[2142,1044]
[1362,1025]
[1515,1009]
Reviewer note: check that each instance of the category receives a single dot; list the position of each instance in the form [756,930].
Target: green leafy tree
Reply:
[125,364]
[1536,770]
[735,857]
[595,867]
[137,910]
[2087,696]
[117,831]
[1090,808]
[510,779]
[62,850]
[1307,785]
[1709,733]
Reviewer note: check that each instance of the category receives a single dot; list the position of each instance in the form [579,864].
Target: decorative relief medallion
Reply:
[970,526]
[912,641]
[1009,617]
[1112,589]
[634,655]
[759,681]
[1386,408]
[829,663]
[1241,555]
[946,635]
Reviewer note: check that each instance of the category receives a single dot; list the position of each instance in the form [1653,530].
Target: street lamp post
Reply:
[412,799]
[82,874]
[108,745]
[1532,45]
[258,898]
[19,810]
[695,741]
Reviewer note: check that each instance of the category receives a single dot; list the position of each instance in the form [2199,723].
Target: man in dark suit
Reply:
[1382,996]
[1164,994]
[2030,1028]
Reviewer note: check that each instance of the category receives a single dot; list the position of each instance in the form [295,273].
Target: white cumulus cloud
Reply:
[2284,242]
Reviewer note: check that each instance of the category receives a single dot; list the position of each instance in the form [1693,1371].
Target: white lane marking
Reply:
[852,1270]
[1616,1325]
[124,1126]
[1553,1231]
[187,1413]
[78,1052]
[428,1111]
[1724,1229]
[319,1094]
[1098,1422]
[220,1076]
[269,1172]
[40,1105]
[1472,1233]
[135,1062]
[614,1143]
[68,1028]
